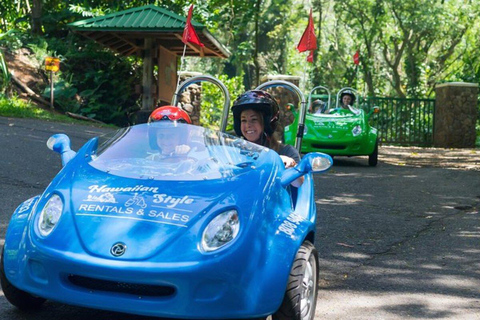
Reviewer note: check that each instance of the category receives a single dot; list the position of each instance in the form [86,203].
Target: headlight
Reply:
[220,231]
[357,130]
[50,215]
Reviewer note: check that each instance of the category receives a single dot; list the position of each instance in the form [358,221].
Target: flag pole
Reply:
[189,35]
[305,76]
[181,67]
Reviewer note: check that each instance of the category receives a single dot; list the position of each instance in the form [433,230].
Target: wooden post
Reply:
[53,65]
[147,78]
[51,89]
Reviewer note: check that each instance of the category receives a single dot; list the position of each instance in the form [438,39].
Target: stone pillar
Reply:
[456,112]
[284,97]
[190,99]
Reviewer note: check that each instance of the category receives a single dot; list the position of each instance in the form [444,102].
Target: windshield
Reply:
[167,151]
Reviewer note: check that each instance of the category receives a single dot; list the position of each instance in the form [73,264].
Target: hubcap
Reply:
[308,289]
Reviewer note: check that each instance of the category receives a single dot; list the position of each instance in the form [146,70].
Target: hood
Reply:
[328,126]
[148,215]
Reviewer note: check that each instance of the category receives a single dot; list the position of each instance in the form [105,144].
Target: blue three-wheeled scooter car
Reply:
[212,234]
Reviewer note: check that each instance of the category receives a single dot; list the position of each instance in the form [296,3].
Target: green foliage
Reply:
[5,75]
[93,81]
[12,39]
[64,96]
[406,47]
[15,107]
[213,101]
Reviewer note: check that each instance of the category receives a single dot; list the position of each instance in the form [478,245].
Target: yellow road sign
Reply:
[52,64]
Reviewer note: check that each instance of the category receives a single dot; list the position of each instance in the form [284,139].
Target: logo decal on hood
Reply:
[137,188]
[106,201]
[106,198]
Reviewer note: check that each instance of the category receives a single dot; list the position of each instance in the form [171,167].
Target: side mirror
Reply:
[60,143]
[314,162]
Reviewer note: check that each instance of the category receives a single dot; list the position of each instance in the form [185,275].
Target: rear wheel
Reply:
[300,297]
[20,299]
[373,158]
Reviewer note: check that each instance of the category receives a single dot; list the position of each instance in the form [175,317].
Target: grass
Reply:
[17,108]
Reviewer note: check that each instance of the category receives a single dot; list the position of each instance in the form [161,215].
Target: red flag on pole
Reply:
[308,41]
[310,56]
[189,34]
[356,58]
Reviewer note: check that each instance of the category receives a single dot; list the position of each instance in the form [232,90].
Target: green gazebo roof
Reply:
[125,32]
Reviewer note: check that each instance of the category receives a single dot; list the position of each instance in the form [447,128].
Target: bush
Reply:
[213,101]
[96,82]
[92,81]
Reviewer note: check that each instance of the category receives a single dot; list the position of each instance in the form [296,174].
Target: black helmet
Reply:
[260,101]
[348,93]
[318,103]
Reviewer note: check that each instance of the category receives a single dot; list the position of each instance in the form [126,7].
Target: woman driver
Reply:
[255,117]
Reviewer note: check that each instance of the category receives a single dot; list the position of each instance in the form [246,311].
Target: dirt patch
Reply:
[26,68]
[460,159]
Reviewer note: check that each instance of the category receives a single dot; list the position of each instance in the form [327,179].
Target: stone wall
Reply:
[190,99]
[456,112]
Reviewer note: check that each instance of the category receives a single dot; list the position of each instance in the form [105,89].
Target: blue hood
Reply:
[148,215]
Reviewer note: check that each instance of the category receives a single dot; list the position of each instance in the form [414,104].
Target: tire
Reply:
[373,158]
[300,297]
[20,299]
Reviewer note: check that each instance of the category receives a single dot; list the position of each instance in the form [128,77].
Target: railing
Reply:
[406,122]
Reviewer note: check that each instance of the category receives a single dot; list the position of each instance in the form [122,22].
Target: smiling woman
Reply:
[255,118]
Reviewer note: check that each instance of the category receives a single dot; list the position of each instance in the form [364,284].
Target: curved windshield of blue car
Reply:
[167,151]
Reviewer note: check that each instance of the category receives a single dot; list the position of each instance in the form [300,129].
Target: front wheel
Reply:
[373,158]
[300,297]
[20,299]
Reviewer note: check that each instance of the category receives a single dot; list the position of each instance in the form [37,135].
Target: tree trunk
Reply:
[37,17]
[257,39]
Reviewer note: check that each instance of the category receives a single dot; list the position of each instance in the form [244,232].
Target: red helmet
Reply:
[170,113]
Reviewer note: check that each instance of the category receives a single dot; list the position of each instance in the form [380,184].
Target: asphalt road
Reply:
[394,241]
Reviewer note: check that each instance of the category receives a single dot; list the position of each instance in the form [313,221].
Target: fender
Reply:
[291,231]
[16,234]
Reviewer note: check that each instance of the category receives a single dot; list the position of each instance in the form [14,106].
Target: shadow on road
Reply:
[397,241]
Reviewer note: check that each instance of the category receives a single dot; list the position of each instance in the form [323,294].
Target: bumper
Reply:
[178,290]
[352,146]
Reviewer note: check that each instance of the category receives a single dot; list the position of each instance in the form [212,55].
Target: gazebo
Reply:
[155,35]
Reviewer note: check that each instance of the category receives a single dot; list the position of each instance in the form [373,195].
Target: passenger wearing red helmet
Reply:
[255,117]
[169,113]
[166,136]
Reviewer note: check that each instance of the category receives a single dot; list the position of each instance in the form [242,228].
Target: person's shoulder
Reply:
[287,147]
[288,150]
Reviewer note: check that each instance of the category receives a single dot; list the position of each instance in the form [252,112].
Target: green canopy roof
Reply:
[125,32]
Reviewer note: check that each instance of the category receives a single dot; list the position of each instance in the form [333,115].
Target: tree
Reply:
[37,17]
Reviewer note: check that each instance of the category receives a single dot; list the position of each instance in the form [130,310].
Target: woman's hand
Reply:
[182,149]
[288,162]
